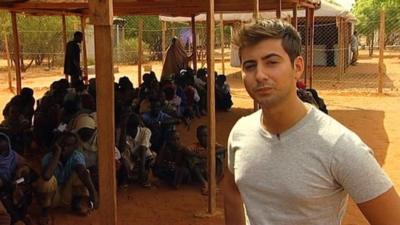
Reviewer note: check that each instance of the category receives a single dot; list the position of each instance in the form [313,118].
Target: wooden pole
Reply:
[194,43]
[211,107]
[256,13]
[381,51]
[307,45]
[10,87]
[311,72]
[173,30]
[16,51]
[163,47]
[222,43]
[295,19]
[101,12]
[140,49]
[85,64]
[279,9]
[64,30]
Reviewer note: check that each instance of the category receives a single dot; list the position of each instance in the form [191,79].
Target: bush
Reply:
[127,51]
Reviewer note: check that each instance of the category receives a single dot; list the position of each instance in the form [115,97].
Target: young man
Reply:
[72,66]
[289,163]
[354,48]
[65,179]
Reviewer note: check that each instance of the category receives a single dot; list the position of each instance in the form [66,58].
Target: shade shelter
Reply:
[101,13]
[333,29]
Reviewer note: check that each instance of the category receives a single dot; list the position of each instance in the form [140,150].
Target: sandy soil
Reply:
[373,117]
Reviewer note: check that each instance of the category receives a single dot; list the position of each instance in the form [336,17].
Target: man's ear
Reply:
[298,65]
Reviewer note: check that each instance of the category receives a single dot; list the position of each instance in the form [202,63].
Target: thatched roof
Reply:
[147,7]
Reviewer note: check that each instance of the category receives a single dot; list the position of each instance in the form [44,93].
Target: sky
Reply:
[345,3]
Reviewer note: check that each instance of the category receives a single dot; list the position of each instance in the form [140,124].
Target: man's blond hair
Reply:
[260,30]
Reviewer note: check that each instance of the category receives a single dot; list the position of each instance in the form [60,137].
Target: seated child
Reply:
[198,159]
[170,165]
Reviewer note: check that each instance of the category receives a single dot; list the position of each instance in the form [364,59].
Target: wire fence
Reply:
[342,60]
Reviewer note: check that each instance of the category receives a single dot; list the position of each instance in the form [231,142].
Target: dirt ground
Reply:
[373,117]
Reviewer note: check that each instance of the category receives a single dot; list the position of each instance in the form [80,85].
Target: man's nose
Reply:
[261,73]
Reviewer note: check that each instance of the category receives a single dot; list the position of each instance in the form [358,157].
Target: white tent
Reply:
[327,10]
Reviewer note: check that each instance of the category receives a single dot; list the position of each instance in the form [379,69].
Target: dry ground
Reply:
[373,117]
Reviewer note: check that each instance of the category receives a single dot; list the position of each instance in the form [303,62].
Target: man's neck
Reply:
[280,118]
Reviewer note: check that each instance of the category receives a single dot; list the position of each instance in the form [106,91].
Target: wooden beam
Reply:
[163,46]
[102,18]
[16,51]
[311,70]
[85,63]
[140,49]
[295,19]
[7,52]
[222,44]
[194,43]
[306,45]
[279,9]
[64,33]
[211,107]
[381,51]
[256,9]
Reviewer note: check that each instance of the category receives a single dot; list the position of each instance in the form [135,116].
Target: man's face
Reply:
[4,147]
[174,139]
[268,74]
[202,137]
[68,146]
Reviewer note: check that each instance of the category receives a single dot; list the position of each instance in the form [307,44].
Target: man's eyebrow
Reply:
[270,56]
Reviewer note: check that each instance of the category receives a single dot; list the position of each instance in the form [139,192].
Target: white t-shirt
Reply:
[302,177]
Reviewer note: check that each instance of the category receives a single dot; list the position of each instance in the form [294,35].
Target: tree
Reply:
[367,13]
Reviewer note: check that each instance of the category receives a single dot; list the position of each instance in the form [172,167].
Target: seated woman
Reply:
[65,181]
[223,98]
[16,180]
[170,165]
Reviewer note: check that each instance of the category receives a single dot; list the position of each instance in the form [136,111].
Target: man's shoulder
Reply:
[248,122]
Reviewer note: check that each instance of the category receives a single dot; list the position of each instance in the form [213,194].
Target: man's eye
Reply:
[249,67]
[272,62]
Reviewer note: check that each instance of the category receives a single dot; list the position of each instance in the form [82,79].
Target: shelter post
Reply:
[256,12]
[101,12]
[211,107]
[163,29]
[85,64]
[306,45]
[222,44]
[10,87]
[16,51]
[381,51]
[140,49]
[311,62]
[194,43]
[279,9]
[295,19]
[64,33]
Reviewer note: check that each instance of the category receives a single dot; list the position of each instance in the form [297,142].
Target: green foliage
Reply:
[368,15]
[127,51]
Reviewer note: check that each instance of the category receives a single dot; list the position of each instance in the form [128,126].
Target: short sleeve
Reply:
[143,137]
[231,153]
[46,159]
[78,159]
[356,169]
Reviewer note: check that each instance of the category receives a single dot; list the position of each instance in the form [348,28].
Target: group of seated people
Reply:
[63,129]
